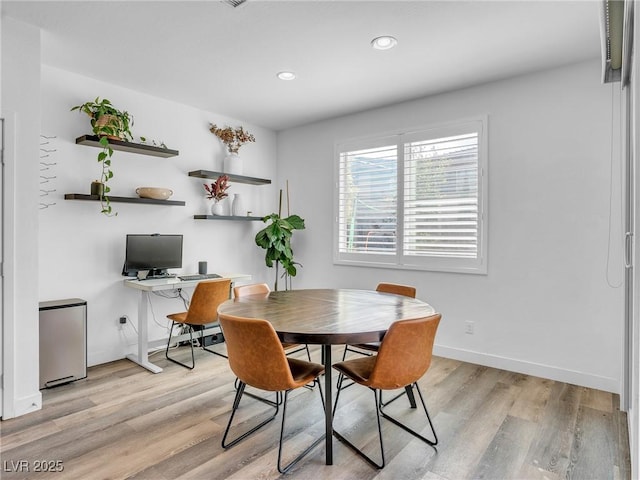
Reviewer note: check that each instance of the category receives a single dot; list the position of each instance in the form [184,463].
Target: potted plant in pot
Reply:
[217,192]
[275,238]
[107,122]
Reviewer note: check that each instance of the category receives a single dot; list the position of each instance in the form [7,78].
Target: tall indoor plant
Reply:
[275,238]
[107,122]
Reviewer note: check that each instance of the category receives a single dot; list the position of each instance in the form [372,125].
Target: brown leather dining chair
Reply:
[257,358]
[251,289]
[403,358]
[203,310]
[263,289]
[395,288]
[370,348]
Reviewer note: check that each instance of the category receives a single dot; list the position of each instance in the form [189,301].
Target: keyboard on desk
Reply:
[198,276]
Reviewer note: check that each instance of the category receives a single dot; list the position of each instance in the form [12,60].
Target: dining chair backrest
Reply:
[253,289]
[206,298]
[405,353]
[255,353]
[406,290]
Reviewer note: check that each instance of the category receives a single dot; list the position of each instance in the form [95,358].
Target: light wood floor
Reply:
[125,422]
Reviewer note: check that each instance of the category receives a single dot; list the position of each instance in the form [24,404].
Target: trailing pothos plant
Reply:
[107,122]
[275,238]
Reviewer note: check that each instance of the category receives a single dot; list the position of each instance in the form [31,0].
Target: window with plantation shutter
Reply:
[414,200]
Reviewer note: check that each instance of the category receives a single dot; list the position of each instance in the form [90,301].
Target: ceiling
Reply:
[223,59]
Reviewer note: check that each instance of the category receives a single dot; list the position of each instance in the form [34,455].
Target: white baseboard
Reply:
[529,368]
[536,369]
[106,356]
[633,424]
[24,405]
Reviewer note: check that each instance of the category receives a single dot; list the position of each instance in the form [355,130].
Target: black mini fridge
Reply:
[63,341]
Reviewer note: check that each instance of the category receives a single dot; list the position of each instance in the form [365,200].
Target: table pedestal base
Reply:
[328,403]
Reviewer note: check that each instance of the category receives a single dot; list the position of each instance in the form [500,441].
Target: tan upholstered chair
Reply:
[257,358]
[370,348]
[203,310]
[394,288]
[252,289]
[406,290]
[263,289]
[403,358]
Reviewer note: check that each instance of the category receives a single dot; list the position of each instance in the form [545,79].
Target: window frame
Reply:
[399,260]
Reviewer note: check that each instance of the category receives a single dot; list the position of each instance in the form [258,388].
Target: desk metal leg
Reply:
[328,404]
[142,358]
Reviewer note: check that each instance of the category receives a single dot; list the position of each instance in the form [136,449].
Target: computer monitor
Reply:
[154,253]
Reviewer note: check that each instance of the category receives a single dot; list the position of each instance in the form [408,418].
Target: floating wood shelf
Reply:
[94,141]
[232,177]
[227,217]
[112,199]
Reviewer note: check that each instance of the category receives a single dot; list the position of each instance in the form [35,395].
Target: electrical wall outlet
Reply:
[122,321]
[468,327]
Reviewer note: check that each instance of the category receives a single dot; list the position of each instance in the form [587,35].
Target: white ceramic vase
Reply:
[233,164]
[237,208]
[218,208]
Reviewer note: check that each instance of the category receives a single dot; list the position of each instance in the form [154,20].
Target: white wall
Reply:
[546,306]
[21,110]
[82,251]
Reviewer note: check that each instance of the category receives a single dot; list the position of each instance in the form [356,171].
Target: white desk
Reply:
[155,285]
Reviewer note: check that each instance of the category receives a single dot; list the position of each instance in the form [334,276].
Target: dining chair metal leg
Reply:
[236,386]
[166,352]
[341,438]
[338,389]
[412,399]
[408,391]
[236,404]
[294,462]
[212,351]
[380,414]
[433,442]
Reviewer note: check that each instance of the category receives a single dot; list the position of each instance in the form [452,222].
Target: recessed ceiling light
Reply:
[384,42]
[286,75]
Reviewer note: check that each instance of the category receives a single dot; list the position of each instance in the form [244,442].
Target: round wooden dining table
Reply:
[328,317]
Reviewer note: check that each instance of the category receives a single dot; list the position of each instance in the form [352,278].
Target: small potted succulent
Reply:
[217,192]
[107,122]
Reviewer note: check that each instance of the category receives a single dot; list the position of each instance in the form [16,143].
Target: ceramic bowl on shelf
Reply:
[156,193]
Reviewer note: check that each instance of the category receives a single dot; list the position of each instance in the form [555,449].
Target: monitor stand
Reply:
[156,273]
